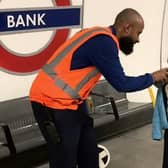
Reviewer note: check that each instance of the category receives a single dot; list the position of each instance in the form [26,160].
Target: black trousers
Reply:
[165,154]
[78,142]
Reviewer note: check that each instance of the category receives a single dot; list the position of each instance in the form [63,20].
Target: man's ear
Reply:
[127,28]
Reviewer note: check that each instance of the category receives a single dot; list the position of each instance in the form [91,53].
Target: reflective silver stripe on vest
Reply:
[49,68]
[86,79]
[71,92]
[66,88]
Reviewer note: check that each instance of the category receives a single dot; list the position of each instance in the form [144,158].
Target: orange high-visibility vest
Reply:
[57,86]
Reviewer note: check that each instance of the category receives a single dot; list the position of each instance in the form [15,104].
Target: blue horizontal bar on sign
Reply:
[37,19]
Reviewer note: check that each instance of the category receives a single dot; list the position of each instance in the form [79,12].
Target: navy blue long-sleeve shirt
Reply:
[101,51]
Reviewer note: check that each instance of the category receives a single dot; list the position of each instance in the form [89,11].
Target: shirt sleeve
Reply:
[105,58]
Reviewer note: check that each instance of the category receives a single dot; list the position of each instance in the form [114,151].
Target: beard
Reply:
[126,45]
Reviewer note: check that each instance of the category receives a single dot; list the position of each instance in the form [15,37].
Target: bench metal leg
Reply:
[114,107]
[113,104]
[9,139]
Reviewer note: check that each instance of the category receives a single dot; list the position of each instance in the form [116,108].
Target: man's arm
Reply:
[106,59]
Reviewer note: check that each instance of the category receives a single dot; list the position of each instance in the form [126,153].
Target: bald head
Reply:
[129,25]
[128,15]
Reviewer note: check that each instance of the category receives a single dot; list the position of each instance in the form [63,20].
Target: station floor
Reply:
[133,149]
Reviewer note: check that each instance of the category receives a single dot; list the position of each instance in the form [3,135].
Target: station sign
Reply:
[59,19]
[39,19]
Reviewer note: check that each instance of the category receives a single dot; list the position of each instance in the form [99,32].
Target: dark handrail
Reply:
[9,139]
[113,104]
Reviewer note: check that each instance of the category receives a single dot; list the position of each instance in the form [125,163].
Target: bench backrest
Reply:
[18,112]
[104,88]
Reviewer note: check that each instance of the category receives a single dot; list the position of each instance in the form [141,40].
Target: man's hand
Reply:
[160,75]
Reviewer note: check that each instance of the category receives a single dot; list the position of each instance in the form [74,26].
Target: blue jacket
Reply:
[101,51]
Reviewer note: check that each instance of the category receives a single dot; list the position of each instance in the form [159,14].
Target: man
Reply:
[60,89]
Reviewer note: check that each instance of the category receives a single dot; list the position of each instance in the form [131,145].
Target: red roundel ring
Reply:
[15,63]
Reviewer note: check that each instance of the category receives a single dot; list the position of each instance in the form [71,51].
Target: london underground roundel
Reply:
[61,18]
